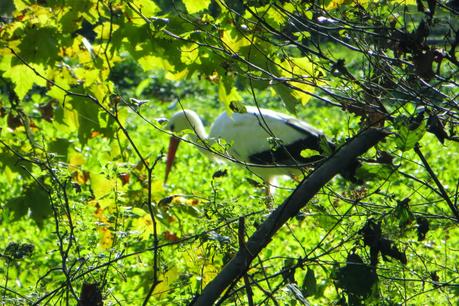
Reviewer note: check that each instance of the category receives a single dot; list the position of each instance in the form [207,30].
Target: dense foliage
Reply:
[85,84]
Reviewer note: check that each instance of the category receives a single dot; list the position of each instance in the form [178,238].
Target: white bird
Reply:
[268,143]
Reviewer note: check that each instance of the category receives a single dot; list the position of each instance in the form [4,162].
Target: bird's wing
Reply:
[266,137]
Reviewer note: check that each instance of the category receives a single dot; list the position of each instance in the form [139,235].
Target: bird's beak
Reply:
[173,145]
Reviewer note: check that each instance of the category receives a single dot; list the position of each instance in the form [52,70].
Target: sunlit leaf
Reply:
[75,159]
[227,94]
[308,153]
[147,8]
[190,55]
[234,42]
[24,78]
[287,97]
[101,185]
[193,6]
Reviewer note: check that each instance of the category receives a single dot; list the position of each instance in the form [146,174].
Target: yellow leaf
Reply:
[102,205]
[289,7]
[99,91]
[101,186]
[276,16]
[147,8]
[144,226]
[70,121]
[232,42]
[193,6]
[103,30]
[178,75]
[88,76]
[106,237]
[308,153]
[305,77]
[406,2]
[41,16]
[20,5]
[190,54]
[75,159]
[227,97]
[151,62]
[5,60]
[157,190]
[198,264]
[166,279]
[82,54]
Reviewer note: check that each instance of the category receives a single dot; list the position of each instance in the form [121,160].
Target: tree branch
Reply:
[240,263]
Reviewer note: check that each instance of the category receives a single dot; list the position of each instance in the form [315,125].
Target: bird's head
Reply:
[182,121]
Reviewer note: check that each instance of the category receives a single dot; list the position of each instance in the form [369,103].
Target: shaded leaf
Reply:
[39,45]
[90,295]
[356,277]
[436,127]
[309,286]
[287,97]
[14,121]
[372,237]
[19,250]
[46,111]
[422,227]
[403,213]
[166,200]
[408,133]
[220,173]
[34,201]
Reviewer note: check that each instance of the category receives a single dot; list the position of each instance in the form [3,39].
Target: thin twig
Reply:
[432,174]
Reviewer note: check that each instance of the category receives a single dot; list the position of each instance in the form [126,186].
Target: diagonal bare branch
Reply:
[305,191]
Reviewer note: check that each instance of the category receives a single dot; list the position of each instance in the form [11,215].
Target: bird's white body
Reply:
[261,130]
[267,142]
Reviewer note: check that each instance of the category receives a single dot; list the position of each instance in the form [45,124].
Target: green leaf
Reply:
[403,213]
[309,286]
[147,8]
[309,153]
[193,6]
[228,94]
[88,118]
[356,277]
[39,45]
[286,95]
[7,7]
[408,133]
[34,201]
[370,172]
[100,185]
[24,78]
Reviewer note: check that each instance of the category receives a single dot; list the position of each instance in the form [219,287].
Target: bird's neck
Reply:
[199,134]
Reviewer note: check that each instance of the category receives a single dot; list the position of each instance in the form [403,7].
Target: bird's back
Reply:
[266,137]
